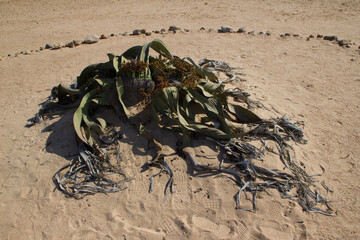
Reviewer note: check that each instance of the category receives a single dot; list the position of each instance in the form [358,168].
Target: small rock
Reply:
[311,36]
[70,44]
[295,35]
[9,55]
[331,38]
[48,46]
[41,48]
[241,30]
[16,54]
[319,36]
[104,36]
[56,47]
[211,30]
[163,30]
[26,53]
[31,50]
[348,46]
[261,33]
[157,31]
[142,31]
[186,30]
[77,42]
[226,29]
[173,28]
[136,32]
[268,33]
[287,34]
[282,35]
[308,39]
[148,33]
[251,32]
[125,34]
[353,59]
[202,29]
[112,35]
[344,42]
[173,31]
[90,39]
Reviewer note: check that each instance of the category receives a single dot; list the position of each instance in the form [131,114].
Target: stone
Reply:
[142,31]
[202,29]
[136,32]
[163,30]
[173,28]
[353,59]
[48,46]
[268,33]
[311,36]
[281,35]
[320,36]
[226,29]
[104,36]
[9,55]
[125,34]
[112,35]
[344,42]
[330,38]
[148,33]
[186,30]
[241,30]
[157,31]
[287,34]
[90,39]
[56,47]
[261,33]
[295,35]
[77,42]
[211,30]
[70,44]
[308,39]
[251,32]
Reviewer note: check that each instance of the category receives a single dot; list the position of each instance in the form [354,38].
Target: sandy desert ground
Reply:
[311,80]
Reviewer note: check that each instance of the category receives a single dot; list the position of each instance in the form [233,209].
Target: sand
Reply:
[314,81]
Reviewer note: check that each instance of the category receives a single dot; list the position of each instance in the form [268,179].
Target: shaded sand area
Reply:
[314,81]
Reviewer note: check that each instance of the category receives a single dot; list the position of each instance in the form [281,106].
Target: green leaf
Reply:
[242,114]
[120,91]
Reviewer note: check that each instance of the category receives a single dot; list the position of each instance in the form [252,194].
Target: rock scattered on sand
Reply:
[241,30]
[211,30]
[330,38]
[136,32]
[251,32]
[48,46]
[320,36]
[295,35]
[261,33]
[9,55]
[125,34]
[148,33]
[268,33]
[202,29]
[157,31]
[311,36]
[163,30]
[70,44]
[226,29]
[56,46]
[186,30]
[77,42]
[343,43]
[104,36]
[112,35]
[287,34]
[90,39]
[173,28]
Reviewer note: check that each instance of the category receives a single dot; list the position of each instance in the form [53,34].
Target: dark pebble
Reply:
[319,36]
[48,46]
[344,43]
[261,33]
[112,35]
[295,35]
[311,36]
[331,38]
[268,33]
[148,33]
[162,30]
[281,35]
[308,39]
[251,32]
[241,30]
[104,36]
[186,30]
[9,55]
[202,28]
[287,34]
[173,28]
